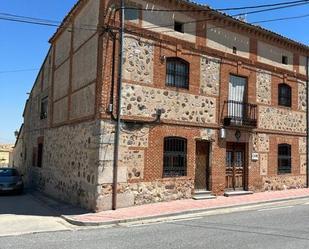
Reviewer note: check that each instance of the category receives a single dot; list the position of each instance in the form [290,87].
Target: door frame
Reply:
[208,184]
[245,167]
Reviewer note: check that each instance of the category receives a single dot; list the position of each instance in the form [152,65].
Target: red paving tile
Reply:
[165,208]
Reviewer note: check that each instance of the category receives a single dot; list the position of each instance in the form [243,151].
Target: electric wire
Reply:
[233,16]
[223,9]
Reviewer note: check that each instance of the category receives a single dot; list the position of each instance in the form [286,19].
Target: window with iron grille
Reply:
[177,73]
[175,157]
[284,159]
[284,95]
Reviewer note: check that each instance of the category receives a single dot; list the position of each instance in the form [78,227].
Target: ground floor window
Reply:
[175,157]
[284,159]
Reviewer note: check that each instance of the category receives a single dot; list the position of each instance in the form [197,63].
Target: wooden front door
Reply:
[202,171]
[235,166]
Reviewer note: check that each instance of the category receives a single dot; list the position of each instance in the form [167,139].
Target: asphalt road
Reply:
[279,226]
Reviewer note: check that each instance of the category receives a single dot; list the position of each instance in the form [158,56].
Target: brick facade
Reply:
[196,113]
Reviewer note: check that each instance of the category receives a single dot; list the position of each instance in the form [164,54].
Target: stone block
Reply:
[106,174]
[123,200]
[303,164]
[271,118]
[263,87]
[302,145]
[143,101]
[210,75]
[302,104]
[263,164]
[138,62]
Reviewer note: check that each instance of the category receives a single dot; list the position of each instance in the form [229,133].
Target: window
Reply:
[234,50]
[131,13]
[44,108]
[284,159]
[284,95]
[177,73]
[175,157]
[179,27]
[285,60]
[40,155]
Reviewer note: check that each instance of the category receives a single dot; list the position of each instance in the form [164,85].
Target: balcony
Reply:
[240,114]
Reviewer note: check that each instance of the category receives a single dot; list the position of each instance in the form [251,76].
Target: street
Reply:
[281,225]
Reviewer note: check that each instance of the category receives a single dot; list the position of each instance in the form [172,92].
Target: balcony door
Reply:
[236,98]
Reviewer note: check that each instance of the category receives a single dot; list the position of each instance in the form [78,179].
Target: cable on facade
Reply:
[233,16]
[223,9]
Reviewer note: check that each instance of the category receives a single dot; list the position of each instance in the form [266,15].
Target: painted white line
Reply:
[274,208]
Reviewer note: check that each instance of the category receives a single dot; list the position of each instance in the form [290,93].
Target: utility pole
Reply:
[119,94]
[307,121]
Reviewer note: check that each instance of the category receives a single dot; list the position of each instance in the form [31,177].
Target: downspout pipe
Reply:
[119,98]
[307,121]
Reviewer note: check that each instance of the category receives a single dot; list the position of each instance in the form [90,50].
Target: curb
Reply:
[73,221]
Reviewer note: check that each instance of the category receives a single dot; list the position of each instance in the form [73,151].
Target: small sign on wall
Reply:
[255,156]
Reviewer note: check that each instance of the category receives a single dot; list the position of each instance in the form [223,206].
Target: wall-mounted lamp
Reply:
[222,133]
[163,58]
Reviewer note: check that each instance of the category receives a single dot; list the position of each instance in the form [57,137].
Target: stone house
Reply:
[228,98]
[5,155]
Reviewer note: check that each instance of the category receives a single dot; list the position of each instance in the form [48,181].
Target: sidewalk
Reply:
[173,208]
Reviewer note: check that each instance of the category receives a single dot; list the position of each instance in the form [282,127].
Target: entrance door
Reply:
[236,98]
[235,166]
[202,172]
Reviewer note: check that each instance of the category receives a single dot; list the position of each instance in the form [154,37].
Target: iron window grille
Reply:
[177,73]
[284,95]
[175,157]
[284,159]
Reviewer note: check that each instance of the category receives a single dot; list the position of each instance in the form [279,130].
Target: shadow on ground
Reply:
[34,203]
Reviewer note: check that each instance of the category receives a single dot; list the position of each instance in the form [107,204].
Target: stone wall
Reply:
[146,192]
[302,155]
[70,164]
[302,89]
[143,102]
[271,118]
[263,87]
[283,182]
[210,76]
[138,60]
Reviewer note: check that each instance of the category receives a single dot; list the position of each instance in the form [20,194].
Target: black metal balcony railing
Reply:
[240,114]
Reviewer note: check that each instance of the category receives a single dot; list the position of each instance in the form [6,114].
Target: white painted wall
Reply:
[224,40]
[272,55]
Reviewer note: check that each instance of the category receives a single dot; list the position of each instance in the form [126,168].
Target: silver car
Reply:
[10,181]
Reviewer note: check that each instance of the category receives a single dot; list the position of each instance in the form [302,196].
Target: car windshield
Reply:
[8,172]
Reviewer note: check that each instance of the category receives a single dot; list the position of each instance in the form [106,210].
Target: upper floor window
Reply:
[284,159]
[179,27]
[44,108]
[285,60]
[175,157]
[284,95]
[131,13]
[177,73]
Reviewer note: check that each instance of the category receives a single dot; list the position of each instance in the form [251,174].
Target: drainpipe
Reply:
[119,93]
[307,121]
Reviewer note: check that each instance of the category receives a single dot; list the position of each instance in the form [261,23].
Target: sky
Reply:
[24,46]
